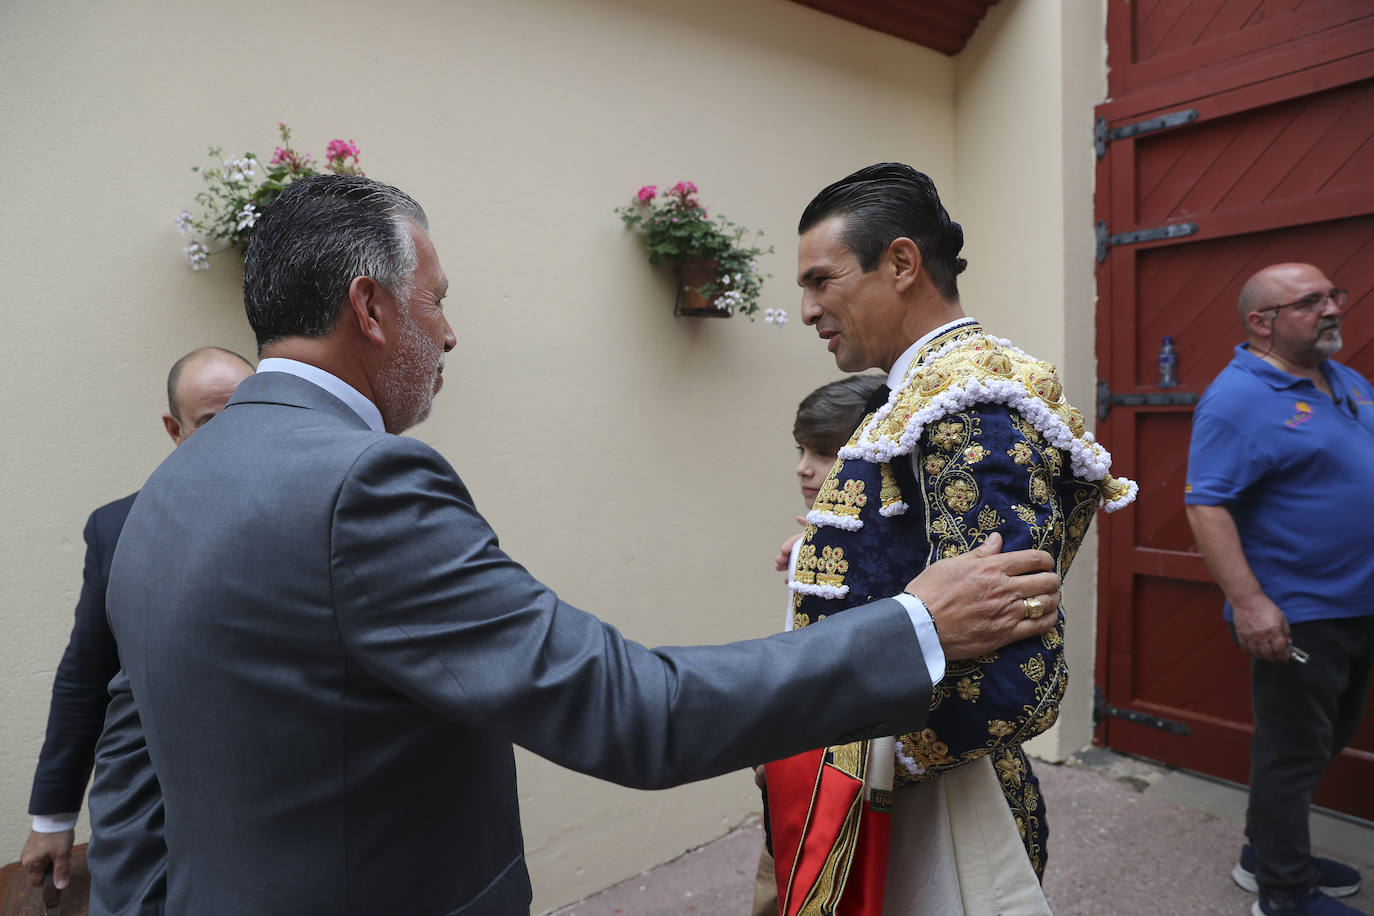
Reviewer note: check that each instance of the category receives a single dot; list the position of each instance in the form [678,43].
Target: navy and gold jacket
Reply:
[977,438]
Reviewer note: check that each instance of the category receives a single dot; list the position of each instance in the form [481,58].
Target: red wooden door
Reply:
[1270,158]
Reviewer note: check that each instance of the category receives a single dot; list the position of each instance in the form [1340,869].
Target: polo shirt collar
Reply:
[1271,375]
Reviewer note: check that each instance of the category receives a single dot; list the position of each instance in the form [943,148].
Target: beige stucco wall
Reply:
[640,464]
[1024,94]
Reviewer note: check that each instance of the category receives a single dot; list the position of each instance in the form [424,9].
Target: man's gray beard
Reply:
[1328,345]
[404,397]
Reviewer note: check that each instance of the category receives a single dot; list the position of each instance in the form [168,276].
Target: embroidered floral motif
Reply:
[831,566]
[961,495]
[1034,668]
[947,436]
[1020,452]
[934,464]
[967,689]
[974,454]
[988,519]
[926,748]
[1039,488]
[1000,728]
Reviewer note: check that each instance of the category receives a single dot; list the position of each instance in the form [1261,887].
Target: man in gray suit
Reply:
[327,657]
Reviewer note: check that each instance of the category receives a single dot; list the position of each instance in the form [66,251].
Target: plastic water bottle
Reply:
[1168,364]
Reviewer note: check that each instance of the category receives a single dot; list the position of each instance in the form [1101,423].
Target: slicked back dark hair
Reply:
[826,417]
[889,201]
[311,242]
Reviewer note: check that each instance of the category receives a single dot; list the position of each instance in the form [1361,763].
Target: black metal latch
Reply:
[1102,709]
[1102,136]
[1106,240]
[1106,400]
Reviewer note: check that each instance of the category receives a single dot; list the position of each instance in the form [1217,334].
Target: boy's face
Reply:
[813,466]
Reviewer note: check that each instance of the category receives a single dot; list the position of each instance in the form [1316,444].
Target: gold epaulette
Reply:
[976,370]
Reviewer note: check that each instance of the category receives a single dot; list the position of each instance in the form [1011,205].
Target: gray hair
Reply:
[313,240]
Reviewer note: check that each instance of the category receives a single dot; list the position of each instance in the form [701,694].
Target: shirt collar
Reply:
[1271,375]
[331,383]
[903,363]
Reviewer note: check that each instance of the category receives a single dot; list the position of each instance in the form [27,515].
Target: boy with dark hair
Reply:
[826,418]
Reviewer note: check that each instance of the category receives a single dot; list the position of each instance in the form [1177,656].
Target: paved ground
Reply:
[1126,838]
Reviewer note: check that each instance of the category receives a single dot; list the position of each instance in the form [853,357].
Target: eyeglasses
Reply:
[1311,302]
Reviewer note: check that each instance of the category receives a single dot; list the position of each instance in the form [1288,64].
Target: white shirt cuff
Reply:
[54,823]
[931,650]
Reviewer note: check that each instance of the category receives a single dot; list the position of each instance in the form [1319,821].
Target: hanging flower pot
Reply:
[696,282]
[717,269]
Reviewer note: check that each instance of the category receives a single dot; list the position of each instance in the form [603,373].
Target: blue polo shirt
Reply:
[1296,471]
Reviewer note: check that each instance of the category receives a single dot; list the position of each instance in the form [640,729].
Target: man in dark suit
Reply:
[327,657]
[198,387]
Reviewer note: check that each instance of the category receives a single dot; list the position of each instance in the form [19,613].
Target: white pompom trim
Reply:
[891,509]
[1088,460]
[830,520]
[819,591]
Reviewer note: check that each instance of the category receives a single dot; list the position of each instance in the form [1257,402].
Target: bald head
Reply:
[1279,283]
[199,386]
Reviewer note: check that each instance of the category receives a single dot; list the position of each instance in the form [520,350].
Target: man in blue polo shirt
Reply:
[1280,490]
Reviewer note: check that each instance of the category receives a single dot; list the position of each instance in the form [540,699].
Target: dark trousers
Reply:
[1304,715]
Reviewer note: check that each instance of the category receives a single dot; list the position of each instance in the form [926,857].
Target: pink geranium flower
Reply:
[684,189]
[341,149]
[647,193]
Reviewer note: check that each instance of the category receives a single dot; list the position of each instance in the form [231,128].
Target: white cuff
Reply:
[54,823]
[931,650]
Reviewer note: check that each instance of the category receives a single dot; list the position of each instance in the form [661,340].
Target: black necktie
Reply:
[877,399]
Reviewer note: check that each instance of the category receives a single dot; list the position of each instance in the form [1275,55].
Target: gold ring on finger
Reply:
[1034,607]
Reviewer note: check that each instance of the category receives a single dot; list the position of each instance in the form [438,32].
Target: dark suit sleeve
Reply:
[77,709]
[428,602]
[127,856]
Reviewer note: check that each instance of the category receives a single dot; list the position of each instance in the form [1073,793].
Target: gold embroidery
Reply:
[988,519]
[926,748]
[968,690]
[961,494]
[831,566]
[1025,513]
[805,569]
[948,435]
[891,492]
[934,464]
[1020,452]
[974,454]
[1039,488]
[1034,668]
[1000,728]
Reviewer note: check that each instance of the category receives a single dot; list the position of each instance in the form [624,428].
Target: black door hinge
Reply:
[1102,136]
[1102,710]
[1106,400]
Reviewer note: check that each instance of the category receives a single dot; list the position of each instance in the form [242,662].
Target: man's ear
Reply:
[173,427]
[367,303]
[906,262]
[1259,324]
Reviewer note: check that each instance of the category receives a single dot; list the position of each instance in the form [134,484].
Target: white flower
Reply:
[775,316]
[725,280]
[239,170]
[246,217]
[183,222]
[197,255]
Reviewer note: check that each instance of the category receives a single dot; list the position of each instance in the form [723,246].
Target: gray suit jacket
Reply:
[328,658]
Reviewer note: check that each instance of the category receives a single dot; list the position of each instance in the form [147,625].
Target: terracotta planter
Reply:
[694,273]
